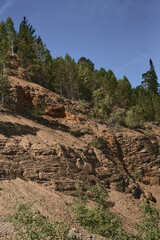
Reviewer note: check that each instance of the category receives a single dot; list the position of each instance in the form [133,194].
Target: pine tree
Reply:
[104,95]
[71,77]
[110,83]
[59,76]
[26,43]
[123,93]
[48,69]
[150,79]
[4,82]
[4,43]
[86,62]
[11,33]
[86,78]
[35,70]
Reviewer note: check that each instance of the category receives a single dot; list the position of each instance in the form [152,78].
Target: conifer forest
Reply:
[112,99]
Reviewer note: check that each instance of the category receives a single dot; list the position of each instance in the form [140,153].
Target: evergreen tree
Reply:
[104,93]
[86,79]
[4,82]
[135,94]
[26,43]
[123,93]
[48,69]
[71,77]
[135,117]
[86,62]
[11,33]
[39,70]
[4,43]
[59,76]
[156,106]
[64,76]
[150,80]
[110,84]
[149,102]
[39,49]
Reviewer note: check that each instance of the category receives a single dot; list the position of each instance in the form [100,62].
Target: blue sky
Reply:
[121,35]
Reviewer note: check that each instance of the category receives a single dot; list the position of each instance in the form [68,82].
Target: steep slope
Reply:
[63,146]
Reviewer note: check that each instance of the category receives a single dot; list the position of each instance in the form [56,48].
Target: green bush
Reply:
[102,105]
[117,117]
[149,227]
[30,224]
[98,219]
[157,117]
[95,143]
[135,117]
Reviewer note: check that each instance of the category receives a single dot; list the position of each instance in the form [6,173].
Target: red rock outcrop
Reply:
[24,96]
[59,155]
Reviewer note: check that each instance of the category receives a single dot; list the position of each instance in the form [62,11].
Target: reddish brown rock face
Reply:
[55,111]
[62,153]
[24,96]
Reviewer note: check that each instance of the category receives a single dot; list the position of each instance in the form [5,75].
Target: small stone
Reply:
[90,236]
[72,233]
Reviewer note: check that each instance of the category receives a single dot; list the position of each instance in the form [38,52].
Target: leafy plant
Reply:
[102,104]
[149,228]
[135,117]
[117,117]
[30,224]
[98,219]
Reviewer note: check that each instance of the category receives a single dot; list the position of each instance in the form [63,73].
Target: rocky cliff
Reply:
[63,146]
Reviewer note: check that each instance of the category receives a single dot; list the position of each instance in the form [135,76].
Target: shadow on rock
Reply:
[9,129]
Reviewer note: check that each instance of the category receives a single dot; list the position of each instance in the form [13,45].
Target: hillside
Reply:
[44,155]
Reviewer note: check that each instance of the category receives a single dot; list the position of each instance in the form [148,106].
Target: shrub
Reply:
[98,219]
[95,143]
[135,117]
[102,105]
[149,228]
[30,224]
[117,117]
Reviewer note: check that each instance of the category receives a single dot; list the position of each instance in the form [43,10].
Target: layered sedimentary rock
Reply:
[59,153]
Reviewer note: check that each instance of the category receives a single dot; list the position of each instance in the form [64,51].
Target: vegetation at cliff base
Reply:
[149,226]
[98,218]
[111,99]
[30,224]
[92,211]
